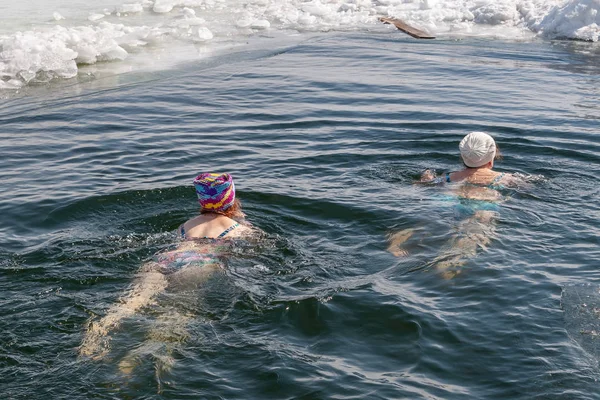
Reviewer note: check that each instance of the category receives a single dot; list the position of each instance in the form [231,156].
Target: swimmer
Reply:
[478,151]
[475,193]
[206,243]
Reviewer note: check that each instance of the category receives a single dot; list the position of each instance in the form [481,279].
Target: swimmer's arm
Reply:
[515,181]
[143,292]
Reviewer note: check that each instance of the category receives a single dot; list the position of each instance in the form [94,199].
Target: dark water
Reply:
[324,139]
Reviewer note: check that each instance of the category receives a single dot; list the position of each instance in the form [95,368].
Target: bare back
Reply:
[212,225]
[484,177]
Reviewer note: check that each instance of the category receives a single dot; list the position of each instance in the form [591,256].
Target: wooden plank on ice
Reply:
[404,27]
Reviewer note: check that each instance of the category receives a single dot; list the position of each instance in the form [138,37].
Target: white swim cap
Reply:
[477,149]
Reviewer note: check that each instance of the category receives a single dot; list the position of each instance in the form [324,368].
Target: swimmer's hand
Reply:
[429,176]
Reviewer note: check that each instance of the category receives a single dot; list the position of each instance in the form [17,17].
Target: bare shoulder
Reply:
[456,176]
[244,230]
[190,223]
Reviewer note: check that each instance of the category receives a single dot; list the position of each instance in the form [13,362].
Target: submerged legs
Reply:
[396,240]
[473,233]
[95,343]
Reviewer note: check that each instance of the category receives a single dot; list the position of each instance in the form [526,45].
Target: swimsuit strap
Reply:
[497,178]
[441,179]
[226,231]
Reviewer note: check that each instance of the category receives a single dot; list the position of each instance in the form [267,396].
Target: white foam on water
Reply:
[42,40]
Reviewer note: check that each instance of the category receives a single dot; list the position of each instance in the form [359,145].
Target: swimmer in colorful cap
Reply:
[189,266]
[220,211]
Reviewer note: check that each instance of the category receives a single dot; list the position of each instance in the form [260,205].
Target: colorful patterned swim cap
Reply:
[216,192]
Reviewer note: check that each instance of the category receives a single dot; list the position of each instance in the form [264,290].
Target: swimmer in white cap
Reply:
[475,196]
[478,151]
